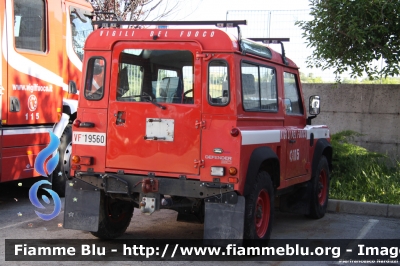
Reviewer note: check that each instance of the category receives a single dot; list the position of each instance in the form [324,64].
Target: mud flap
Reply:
[82,206]
[223,220]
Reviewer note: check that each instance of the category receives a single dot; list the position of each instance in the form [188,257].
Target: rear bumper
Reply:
[130,184]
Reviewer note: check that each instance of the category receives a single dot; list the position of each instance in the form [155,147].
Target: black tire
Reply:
[259,211]
[62,172]
[319,190]
[115,216]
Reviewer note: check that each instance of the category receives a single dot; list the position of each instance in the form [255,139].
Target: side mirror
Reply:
[72,87]
[314,105]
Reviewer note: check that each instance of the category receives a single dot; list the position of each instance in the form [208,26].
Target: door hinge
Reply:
[201,124]
[205,57]
[198,163]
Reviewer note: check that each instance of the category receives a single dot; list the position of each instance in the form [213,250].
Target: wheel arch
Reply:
[322,148]
[262,158]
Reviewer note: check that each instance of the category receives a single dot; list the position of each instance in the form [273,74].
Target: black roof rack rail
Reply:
[274,40]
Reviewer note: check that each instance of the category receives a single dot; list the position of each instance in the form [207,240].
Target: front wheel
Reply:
[319,190]
[115,217]
[259,210]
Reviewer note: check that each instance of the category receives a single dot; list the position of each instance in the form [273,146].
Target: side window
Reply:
[292,100]
[218,83]
[259,88]
[269,96]
[30,25]
[95,79]
[250,89]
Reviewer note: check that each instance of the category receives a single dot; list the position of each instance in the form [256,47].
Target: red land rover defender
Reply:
[197,121]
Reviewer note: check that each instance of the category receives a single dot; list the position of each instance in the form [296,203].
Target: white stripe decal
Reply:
[23,64]
[250,137]
[320,132]
[9,132]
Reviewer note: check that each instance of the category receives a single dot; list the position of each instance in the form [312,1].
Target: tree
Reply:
[350,35]
[137,9]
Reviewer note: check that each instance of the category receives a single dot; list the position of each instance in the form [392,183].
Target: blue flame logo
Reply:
[45,153]
[35,201]
[39,167]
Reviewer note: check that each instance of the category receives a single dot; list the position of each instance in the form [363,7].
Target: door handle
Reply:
[120,117]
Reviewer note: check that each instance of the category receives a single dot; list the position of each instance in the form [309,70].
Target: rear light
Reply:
[83,160]
[75,159]
[217,171]
[232,171]
[76,123]
[75,167]
[86,160]
[234,132]
[233,180]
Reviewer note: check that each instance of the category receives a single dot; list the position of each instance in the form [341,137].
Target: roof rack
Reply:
[217,23]
[274,40]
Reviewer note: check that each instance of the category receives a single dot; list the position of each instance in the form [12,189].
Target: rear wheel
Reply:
[259,210]
[62,172]
[115,216]
[319,190]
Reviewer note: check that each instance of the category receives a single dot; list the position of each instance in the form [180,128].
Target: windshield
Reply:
[81,27]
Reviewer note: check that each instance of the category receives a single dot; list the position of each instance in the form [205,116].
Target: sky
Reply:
[216,9]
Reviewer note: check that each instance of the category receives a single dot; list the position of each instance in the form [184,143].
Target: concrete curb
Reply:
[364,208]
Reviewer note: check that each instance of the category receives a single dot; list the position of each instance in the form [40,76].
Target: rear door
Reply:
[154,109]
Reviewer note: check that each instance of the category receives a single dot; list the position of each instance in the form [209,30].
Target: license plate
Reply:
[89,138]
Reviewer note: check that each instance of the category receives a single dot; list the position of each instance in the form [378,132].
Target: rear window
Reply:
[162,76]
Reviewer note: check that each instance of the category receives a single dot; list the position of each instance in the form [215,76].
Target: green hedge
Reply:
[362,175]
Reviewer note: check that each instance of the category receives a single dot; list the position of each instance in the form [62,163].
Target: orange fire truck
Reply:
[41,60]
[194,120]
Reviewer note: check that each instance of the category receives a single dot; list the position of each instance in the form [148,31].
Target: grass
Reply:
[362,175]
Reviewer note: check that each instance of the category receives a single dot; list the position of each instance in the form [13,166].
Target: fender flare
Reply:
[257,158]
[322,147]
[69,108]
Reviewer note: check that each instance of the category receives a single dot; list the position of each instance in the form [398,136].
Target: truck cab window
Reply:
[81,27]
[29,25]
